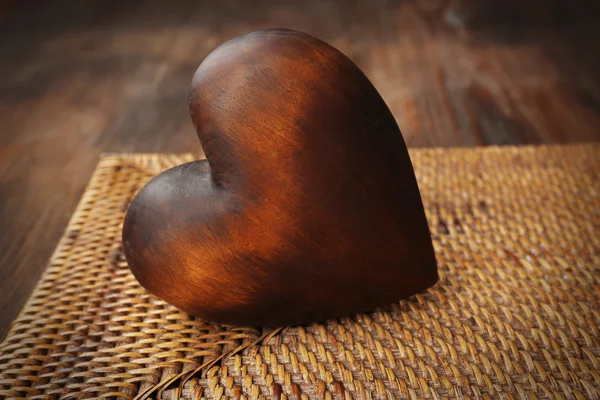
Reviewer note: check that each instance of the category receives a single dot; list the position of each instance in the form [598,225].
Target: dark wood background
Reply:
[84,77]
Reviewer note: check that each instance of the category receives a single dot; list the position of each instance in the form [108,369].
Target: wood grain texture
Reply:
[79,78]
[306,207]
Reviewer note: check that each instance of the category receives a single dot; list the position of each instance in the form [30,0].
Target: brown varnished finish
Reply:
[307,206]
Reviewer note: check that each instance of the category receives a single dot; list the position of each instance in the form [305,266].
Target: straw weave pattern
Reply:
[516,313]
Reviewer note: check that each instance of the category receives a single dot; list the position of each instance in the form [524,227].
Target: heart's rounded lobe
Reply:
[307,206]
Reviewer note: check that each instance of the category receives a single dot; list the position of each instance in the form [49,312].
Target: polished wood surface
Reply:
[306,207]
[79,78]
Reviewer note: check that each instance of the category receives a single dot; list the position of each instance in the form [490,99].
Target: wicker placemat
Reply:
[516,312]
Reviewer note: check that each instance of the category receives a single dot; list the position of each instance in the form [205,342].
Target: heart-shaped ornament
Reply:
[307,206]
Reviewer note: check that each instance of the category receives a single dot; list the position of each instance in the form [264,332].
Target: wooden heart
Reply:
[307,206]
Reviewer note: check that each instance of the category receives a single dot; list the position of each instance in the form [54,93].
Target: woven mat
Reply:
[516,313]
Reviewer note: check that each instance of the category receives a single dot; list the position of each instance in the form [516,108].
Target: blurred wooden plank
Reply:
[80,78]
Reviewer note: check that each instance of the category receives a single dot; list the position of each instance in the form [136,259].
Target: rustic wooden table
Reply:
[81,78]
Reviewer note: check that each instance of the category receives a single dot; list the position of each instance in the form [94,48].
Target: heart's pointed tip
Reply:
[431,277]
